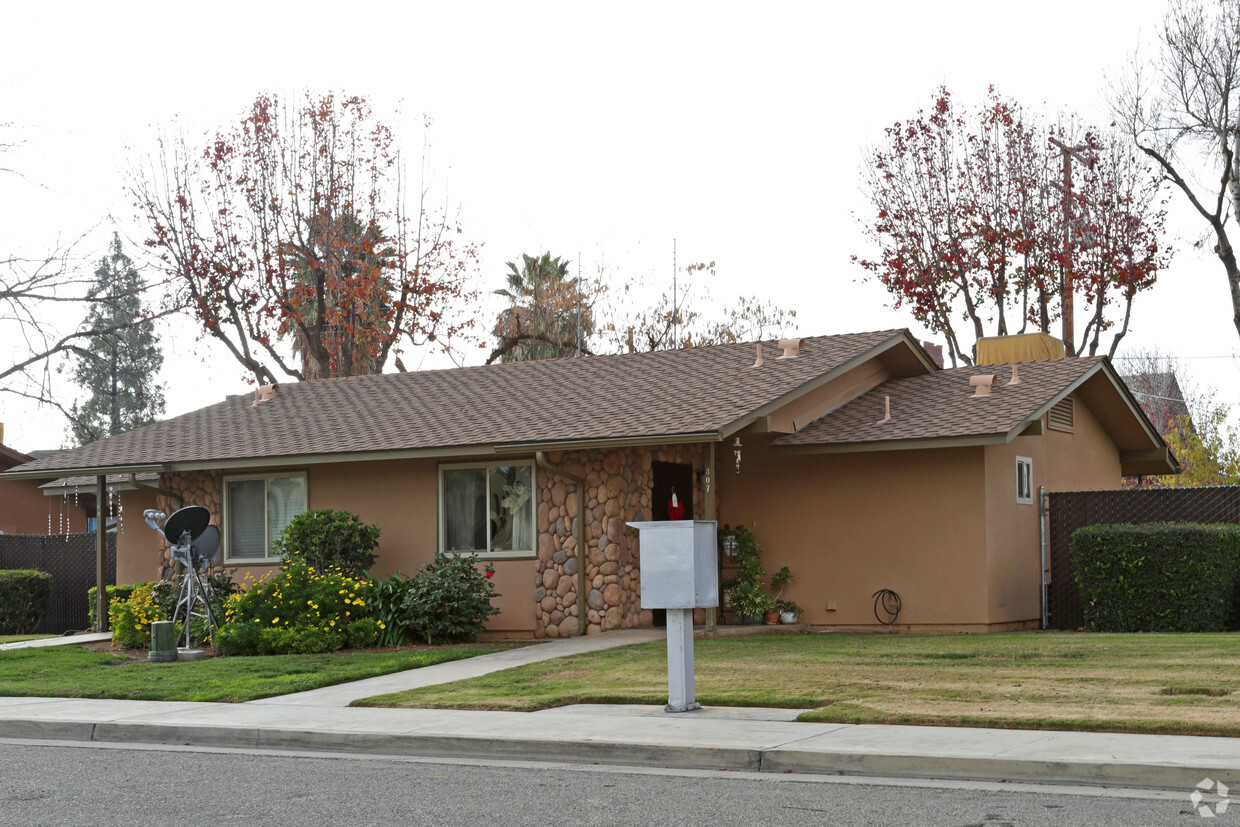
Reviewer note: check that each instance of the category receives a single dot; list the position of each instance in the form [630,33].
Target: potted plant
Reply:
[789,612]
[725,592]
[749,598]
[780,581]
[750,602]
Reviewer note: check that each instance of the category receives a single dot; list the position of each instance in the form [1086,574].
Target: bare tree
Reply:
[43,314]
[1183,111]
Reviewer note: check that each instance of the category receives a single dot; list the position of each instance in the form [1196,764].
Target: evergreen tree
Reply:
[118,369]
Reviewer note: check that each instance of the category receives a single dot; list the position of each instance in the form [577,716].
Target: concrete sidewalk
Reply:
[69,640]
[709,738]
[344,694]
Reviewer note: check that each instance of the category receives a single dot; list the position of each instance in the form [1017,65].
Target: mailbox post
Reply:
[680,572]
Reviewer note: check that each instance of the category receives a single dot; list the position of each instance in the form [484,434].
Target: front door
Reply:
[669,477]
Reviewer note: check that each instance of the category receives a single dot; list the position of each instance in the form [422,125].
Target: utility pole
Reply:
[1069,152]
[675,312]
[578,302]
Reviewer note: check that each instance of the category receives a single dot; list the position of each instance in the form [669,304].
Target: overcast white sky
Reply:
[608,130]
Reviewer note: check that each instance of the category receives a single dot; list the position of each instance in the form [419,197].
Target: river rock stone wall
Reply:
[618,491]
[203,488]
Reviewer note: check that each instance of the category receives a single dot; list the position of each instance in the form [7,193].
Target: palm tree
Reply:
[543,320]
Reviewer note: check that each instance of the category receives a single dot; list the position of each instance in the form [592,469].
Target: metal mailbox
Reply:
[680,572]
[679,564]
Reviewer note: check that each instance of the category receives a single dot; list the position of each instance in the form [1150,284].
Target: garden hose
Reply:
[889,602]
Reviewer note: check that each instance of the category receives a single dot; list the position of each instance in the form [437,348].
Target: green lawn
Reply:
[1123,683]
[76,672]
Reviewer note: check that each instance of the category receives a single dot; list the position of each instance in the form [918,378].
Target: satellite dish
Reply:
[207,546]
[192,518]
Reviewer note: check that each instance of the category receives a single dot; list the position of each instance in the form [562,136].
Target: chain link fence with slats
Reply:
[70,560]
[1070,510]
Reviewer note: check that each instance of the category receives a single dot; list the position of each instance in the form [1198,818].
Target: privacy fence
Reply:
[1070,510]
[70,560]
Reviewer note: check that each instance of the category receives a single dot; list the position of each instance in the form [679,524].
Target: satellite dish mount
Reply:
[195,544]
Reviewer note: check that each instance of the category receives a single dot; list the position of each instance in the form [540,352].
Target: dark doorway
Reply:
[669,476]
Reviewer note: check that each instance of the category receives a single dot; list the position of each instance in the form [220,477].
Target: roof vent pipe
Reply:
[981,384]
[263,393]
[886,410]
[791,348]
[758,363]
[1015,380]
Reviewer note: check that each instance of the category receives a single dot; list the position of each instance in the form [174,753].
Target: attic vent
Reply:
[791,348]
[1061,417]
[265,392]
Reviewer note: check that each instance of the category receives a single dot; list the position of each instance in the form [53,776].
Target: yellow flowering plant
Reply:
[131,619]
[321,610]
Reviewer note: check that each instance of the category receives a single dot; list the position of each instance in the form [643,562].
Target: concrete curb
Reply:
[794,755]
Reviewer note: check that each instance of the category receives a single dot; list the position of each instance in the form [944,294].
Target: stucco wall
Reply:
[136,544]
[850,524]
[1084,460]
[25,510]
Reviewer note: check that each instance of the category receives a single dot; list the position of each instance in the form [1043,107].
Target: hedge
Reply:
[1158,577]
[24,597]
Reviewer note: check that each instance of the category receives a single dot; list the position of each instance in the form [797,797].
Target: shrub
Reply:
[362,633]
[131,619]
[449,599]
[1158,577]
[389,597]
[24,597]
[239,638]
[113,593]
[327,539]
[298,610]
[749,596]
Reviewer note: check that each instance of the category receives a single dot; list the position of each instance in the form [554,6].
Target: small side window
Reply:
[1024,481]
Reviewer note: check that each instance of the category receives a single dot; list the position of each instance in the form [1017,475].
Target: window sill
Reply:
[485,556]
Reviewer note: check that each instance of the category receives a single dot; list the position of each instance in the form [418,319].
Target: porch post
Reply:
[101,546]
[712,614]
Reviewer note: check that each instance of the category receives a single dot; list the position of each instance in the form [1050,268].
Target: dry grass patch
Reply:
[1038,680]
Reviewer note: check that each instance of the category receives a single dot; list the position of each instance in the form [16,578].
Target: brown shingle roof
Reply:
[940,404]
[628,396]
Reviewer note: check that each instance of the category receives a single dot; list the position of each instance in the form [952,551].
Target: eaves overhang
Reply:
[291,460]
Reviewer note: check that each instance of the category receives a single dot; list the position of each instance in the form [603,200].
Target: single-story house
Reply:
[854,459]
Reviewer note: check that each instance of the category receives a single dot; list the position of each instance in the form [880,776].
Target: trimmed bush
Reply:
[325,539]
[449,599]
[1160,577]
[24,597]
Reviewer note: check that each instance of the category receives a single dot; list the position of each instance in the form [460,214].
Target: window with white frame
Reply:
[257,507]
[1024,481]
[487,508]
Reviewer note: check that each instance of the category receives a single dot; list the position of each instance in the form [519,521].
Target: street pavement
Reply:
[710,738]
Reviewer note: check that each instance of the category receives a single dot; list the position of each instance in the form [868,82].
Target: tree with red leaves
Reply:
[979,231]
[287,236]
